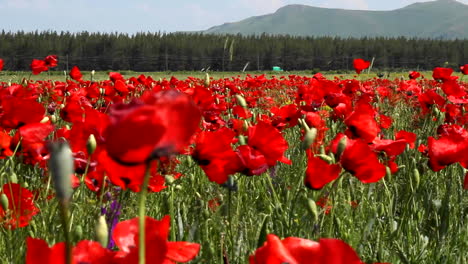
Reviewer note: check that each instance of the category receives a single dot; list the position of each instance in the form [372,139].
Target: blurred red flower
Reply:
[294,250]
[20,111]
[161,124]
[214,154]
[158,249]
[360,65]
[85,251]
[1,64]
[51,61]
[38,66]
[21,206]
[75,74]
[450,147]
[362,124]
[319,172]
[414,75]
[443,74]
[463,69]
[359,159]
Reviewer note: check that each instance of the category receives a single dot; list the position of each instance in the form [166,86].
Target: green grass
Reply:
[9,76]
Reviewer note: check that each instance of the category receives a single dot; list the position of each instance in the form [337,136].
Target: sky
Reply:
[131,16]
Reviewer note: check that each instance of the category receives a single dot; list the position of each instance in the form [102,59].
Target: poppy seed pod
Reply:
[309,138]
[91,144]
[207,80]
[4,202]
[241,100]
[61,168]
[341,147]
[312,206]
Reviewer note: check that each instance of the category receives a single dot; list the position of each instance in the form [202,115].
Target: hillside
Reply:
[437,19]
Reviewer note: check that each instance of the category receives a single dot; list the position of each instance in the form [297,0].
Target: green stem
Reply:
[64,210]
[141,216]
[171,212]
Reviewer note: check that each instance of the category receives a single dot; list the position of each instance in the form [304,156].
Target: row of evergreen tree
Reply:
[196,51]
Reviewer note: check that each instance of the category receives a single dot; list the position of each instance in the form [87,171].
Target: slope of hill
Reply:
[436,19]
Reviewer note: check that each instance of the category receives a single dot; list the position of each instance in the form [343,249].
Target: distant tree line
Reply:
[196,51]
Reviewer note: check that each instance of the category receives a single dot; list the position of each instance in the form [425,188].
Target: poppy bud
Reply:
[53,119]
[325,157]
[91,144]
[309,138]
[4,202]
[13,178]
[102,91]
[207,80]
[241,100]
[388,173]
[169,179]
[416,178]
[242,140]
[61,168]
[78,232]
[44,120]
[312,206]
[102,234]
[341,147]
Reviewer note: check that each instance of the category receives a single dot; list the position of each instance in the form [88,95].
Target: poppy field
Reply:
[255,169]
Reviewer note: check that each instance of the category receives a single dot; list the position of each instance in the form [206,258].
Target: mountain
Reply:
[446,19]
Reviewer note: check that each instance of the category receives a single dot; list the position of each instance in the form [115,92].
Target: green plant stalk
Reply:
[64,215]
[141,216]
[172,214]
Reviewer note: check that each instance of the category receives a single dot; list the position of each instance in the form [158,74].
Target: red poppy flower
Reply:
[319,173]
[359,159]
[85,251]
[51,61]
[463,69]
[451,147]
[31,138]
[253,161]
[75,74]
[1,64]
[269,141]
[385,121]
[442,74]
[294,250]
[38,66]
[158,249]
[18,112]
[126,177]
[452,88]
[360,65]
[241,112]
[161,125]
[21,206]
[214,154]
[430,98]
[392,148]
[5,143]
[114,76]
[120,86]
[285,116]
[362,124]
[409,137]
[414,75]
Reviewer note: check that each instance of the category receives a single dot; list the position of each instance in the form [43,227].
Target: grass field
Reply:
[414,214]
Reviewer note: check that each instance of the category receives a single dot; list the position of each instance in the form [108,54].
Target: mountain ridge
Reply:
[436,19]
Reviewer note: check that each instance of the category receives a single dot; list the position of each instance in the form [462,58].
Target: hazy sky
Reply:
[154,15]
